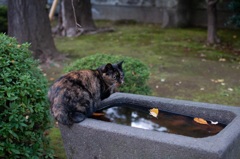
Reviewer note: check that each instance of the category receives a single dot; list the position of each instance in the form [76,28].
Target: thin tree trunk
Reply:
[28,21]
[212,37]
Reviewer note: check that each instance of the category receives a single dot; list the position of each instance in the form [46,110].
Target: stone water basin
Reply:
[99,139]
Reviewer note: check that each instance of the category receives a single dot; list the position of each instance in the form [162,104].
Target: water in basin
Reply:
[165,122]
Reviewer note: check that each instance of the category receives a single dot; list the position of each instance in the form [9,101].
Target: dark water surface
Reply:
[165,122]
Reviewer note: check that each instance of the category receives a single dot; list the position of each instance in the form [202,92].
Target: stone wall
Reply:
[3,2]
[169,13]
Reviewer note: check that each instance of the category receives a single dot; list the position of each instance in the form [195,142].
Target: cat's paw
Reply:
[78,117]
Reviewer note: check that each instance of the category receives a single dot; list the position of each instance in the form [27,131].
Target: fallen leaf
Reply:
[217,80]
[200,121]
[222,60]
[98,114]
[154,112]
[230,89]
[220,80]
[51,79]
[179,83]
[163,79]
[45,133]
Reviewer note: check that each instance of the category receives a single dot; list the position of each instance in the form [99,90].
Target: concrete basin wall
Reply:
[93,139]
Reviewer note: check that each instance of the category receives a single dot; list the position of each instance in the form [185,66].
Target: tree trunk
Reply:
[28,22]
[82,12]
[212,37]
[86,20]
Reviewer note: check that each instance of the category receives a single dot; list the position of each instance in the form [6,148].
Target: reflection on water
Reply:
[166,122]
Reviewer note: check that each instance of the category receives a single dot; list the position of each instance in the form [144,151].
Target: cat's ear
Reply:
[120,65]
[108,68]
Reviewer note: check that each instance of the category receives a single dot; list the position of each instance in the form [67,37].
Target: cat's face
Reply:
[113,74]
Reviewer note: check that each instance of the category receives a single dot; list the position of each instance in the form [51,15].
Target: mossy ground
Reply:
[182,65]
[56,143]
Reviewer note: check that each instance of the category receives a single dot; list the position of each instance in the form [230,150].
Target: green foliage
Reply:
[24,112]
[3,19]
[136,73]
[234,5]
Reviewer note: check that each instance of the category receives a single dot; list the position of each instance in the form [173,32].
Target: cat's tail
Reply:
[60,115]
[65,117]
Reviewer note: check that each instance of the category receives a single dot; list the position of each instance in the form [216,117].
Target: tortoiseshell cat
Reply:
[76,95]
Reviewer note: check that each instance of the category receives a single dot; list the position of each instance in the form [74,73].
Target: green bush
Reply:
[24,111]
[136,73]
[3,19]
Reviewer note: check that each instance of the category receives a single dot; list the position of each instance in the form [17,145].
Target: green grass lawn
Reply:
[56,143]
[182,65]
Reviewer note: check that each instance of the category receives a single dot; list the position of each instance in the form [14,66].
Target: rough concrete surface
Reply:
[93,139]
